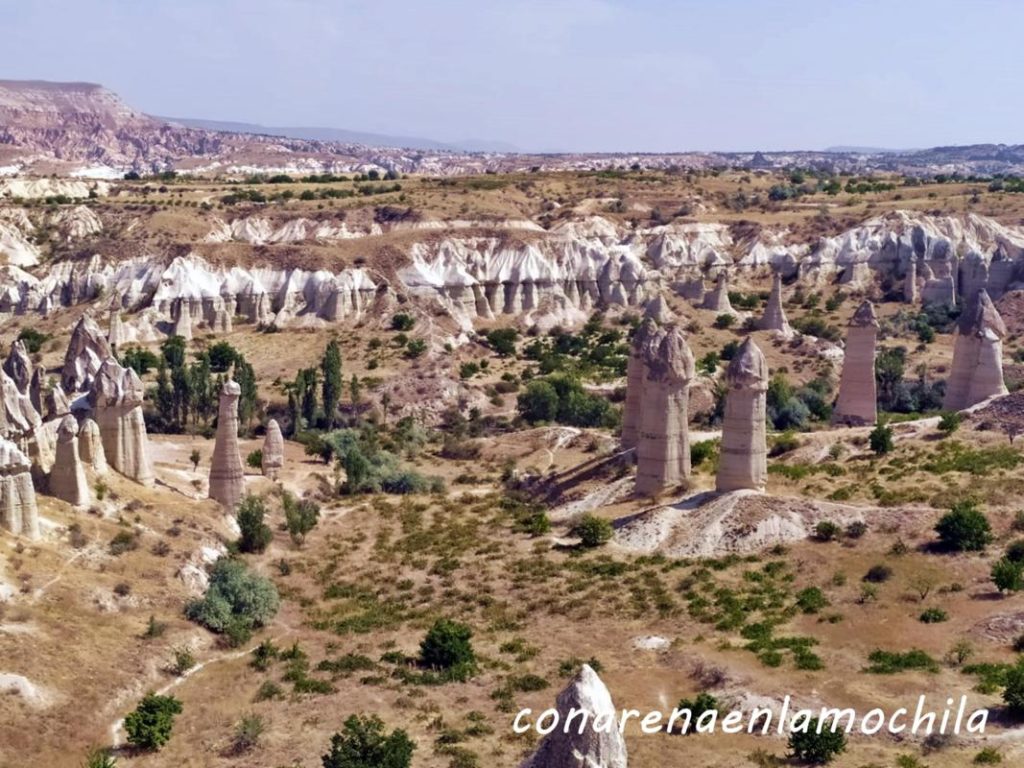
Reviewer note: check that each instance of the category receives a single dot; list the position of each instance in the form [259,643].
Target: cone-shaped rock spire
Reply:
[977,371]
[273,450]
[597,743]
[857,401]
[90,447]
[227,476]
[116,398]
[743,462]
[67,478]
[86,353]
[18,513]
[632,411]
[663,445]
[717,299]
[774,317]
[19,367]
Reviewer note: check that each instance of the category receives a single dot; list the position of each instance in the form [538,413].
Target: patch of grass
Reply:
[891,662]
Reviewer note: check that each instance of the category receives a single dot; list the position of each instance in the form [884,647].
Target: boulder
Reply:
[857,401]
[273,450]
[227,476]
[663,445]
[18,513]
[87,352]
[116,399]
[67,478]
[591,739]
[743,459]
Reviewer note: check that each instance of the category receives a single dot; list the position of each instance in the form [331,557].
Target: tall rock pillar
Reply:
[663,446]
[67,478]
[774,317]
[273,450]
[632,411]
[977,371]
[116,398]
[227,477]
[743,462]
[857,401]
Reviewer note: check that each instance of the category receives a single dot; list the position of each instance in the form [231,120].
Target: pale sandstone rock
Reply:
[600,745]
[273,450]
[911,290]
[57,403]
[743,461]
[632,410]
[19,367]
[37,388]
[857,401]
[87,351]
[182,321]
[977,370]
[67,478]
[658,310]
[774,317]
[90,447]
[18,513]
[663,445]
[118,335]
[717,299]
[227,476]
[116,398]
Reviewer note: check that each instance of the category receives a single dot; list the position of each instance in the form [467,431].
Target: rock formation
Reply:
[774,317]
[977,370]
[595,742]
[67,478]
[273,450]
[663,445]
[18,512]
[911,292]
[857,401]
[717,299]
[632,411]
[57,403]
[87,351]
[37,388]
[182,321]
[118,334]
[116,399]
[19,367]
[743,460]
[227,476]
[90,447]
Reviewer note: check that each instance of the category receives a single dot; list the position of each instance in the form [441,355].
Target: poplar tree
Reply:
[332,381]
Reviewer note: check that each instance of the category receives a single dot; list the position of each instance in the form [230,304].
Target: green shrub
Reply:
[402,322]
[811,600]
[300,516]
[503,341]
[255,534]
[1008,575]
[32,339]
[702,451]
[447,647]
[891,662]
[878,574]
[880,439]
[593,531]
[964,528]
[817,748]
[988,756]
[254,459]
[725,320]
[363,743]
[826,530]
[1013,692]
[236,602]
[700,704]
[933,616]
[149,726]
[949,422]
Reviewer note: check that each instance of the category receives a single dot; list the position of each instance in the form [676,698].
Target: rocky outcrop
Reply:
[182,321]
[593,742]
[774,317]
[37,389]
[273,450]
[118,335]
[90,447]
[717,300]
[977,370]
[663,444]
[87,352]
[632,411]
[67,478]
[911,291]
[19,367]
[18,513]
[227,476]
[56,402]
[116,399]
[743,459]
[857,401]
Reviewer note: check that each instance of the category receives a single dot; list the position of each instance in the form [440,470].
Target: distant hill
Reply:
[868,150]
[341,135]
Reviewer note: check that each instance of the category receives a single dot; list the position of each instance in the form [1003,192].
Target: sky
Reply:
[552,75]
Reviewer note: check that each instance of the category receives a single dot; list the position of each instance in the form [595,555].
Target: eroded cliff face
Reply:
[476,271]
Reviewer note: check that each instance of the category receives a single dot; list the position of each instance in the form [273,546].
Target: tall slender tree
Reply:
[330,367]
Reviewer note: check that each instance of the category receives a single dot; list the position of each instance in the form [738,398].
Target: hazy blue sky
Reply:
[552,74]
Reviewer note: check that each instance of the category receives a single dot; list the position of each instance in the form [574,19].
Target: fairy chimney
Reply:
[977,371]
[663,445]
[857,401]
[87,352]
[743,462]
[597,743]
[67,478]
[718,298]
[633,408]
[273,450]
[19,367]
[18,513]
[774,317]
[116,399]
[90,447]
[911,291]
[227,477]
